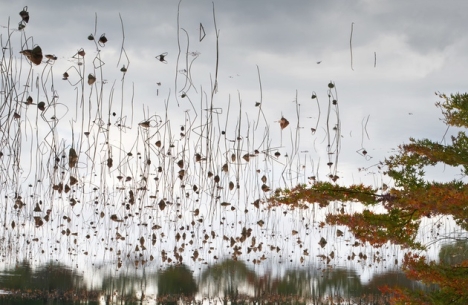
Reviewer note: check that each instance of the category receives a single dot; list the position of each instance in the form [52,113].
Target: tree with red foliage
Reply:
[405,204]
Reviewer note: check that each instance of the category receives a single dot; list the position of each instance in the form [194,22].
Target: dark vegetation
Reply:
[411,200]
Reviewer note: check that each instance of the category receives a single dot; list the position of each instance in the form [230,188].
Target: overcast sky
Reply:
[402,52]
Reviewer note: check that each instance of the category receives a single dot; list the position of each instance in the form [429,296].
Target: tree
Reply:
[411,198]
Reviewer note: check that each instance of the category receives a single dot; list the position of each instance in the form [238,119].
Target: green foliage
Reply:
[426,152]
[407,169]
[323,193]
[397,226]
[411,198]
[454,108]
[449,281]
[454,253]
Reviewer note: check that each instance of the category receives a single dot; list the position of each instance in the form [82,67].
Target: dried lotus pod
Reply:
[34,55]
[91,79]
[24,14]
[283,123]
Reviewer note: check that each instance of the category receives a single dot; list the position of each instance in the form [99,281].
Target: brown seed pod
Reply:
[283,123]
[161,205]
[181,174]
[102,39]
[72,158]
[24,14]
[180,163]
[322,242]
[51,57]
[114,217]
[256,203]
[38,221]
[73,180]
[91,79]
[145,124]
[41,106]
[162,57]
[34,55]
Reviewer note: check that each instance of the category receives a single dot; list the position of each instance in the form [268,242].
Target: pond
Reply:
[109,196]
[228,281]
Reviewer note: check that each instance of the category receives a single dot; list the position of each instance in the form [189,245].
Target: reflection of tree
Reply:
[54,276]
[18,278]
[50,277]
[176,281]
[228,279]
[126,287]
[294,282]
[336,282]
[411,198]
[454,254]
[231,280]
[51,281]
[396,278]
[225,278]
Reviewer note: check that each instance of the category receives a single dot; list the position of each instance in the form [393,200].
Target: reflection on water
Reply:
[48,282]
[187,183]
[228,280]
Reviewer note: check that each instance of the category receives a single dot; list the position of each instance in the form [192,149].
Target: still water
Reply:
[103,203]
[227,281]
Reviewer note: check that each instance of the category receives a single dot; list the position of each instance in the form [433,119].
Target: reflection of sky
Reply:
[399,59]
[414,58]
